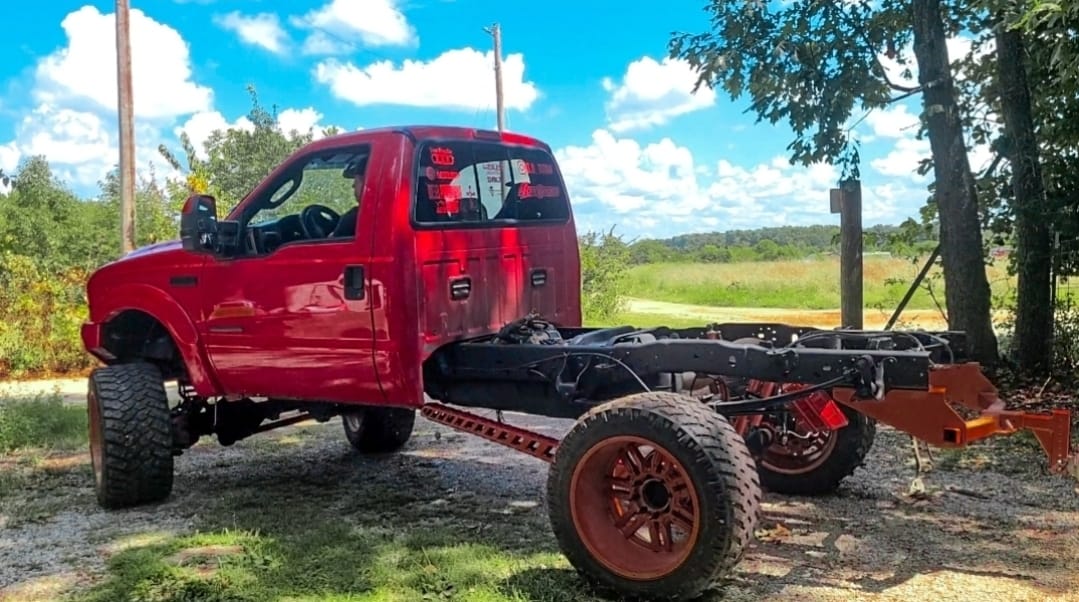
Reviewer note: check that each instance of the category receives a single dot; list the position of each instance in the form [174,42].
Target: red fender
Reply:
[155,302]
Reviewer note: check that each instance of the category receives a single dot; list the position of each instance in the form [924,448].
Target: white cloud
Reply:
[894,122]
[85,70]
[903,159]
[658,189]
[374,22]
[80,146]
[891,202]
[321,43]
[652,93]
[200,125]
[9,157]
[460,79]
[300,120]
[65,136]
[263,30]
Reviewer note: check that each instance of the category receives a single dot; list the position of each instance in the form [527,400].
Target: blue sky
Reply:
[638,150]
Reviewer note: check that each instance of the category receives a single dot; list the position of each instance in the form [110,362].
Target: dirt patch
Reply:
[1017,539]
[819,318]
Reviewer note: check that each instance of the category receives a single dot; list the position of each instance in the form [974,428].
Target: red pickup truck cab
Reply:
[327,287]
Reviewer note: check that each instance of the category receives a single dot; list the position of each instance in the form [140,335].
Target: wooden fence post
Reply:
[847,202]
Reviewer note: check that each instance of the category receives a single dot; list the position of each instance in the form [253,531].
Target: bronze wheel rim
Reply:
[97,442]
[634,507]
[802,452]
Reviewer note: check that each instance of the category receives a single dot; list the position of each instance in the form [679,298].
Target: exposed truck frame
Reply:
[654,492]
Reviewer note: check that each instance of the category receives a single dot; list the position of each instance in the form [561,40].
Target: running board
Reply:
[516,438]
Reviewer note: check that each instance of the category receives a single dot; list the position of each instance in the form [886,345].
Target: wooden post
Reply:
[847,202]
[496,32]
[125,109]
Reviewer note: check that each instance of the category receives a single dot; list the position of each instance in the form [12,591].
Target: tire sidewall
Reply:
[715,512]
[96,424]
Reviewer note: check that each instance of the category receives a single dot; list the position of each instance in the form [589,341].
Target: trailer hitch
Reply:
[929,415]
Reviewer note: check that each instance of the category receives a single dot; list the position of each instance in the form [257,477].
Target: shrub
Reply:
[41,311]
[605,260]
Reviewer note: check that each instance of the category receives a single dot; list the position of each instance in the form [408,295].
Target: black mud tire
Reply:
[722,478]
[130,435]
[849,452]
[378,430]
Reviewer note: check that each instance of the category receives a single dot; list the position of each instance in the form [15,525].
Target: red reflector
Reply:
[833,416]
[818,412]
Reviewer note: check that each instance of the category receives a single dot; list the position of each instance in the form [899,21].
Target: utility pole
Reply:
[125,106]
[496,32]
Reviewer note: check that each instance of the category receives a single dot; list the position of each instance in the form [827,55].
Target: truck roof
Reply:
[419,132]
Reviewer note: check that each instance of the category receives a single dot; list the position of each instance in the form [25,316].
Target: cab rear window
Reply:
[467,183]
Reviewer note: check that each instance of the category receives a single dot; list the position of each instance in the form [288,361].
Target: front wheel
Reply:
[130,435]
[653,495]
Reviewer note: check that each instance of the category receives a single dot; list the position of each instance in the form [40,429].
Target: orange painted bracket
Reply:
[931,416]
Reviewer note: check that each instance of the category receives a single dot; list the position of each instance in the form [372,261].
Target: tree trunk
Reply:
[1034,311]
[966,286]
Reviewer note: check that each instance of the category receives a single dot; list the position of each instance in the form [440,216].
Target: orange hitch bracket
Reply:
[932,417]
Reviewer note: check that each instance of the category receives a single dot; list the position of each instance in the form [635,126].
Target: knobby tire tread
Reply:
[719,464]
[137,460]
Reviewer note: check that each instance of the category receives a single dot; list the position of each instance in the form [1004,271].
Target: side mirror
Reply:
[198,224]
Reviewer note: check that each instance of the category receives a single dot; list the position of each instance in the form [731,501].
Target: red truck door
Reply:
[293,316]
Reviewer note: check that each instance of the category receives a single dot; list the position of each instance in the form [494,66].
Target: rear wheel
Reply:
[130,435]
[653,495]
[802,461]
[378,429]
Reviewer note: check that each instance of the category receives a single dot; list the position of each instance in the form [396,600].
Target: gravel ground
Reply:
[996,531]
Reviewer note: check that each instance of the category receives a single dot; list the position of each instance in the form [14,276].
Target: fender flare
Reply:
[167,311]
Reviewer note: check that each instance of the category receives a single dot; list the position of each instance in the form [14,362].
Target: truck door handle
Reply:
[460,288]
[354,282]
[539,278]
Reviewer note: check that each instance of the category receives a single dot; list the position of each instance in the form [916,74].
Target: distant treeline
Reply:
[773,244]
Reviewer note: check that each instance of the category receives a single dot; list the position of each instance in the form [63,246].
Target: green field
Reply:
[795,284]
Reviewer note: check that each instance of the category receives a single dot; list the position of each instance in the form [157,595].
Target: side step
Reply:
[516,438]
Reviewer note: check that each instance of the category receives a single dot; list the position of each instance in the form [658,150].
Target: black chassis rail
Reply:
[592,365]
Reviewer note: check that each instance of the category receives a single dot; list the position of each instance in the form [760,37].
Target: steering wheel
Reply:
[318,221]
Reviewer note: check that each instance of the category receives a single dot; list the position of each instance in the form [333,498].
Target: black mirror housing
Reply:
[198,224]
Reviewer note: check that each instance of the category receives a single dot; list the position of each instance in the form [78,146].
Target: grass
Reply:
[345,528]
[329,561]
[41,422]
[795,284]
[339,533]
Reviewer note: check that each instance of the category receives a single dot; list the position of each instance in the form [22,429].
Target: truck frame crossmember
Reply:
[911,380]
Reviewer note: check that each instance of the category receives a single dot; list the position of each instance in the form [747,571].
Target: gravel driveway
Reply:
[996,531]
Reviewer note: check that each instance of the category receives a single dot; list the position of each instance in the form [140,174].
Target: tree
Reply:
[41,218]
[966,288]
[1055,22]
[810,63]
[1034,305]
[237,158]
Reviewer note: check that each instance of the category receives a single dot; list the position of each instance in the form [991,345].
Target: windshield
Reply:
[474,182]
